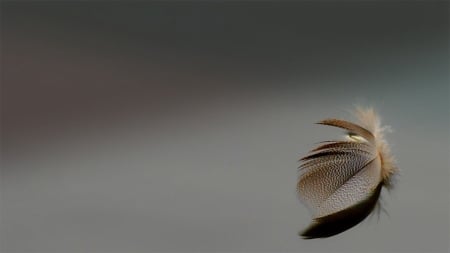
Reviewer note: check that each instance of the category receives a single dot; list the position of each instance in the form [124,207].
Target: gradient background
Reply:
[176,127]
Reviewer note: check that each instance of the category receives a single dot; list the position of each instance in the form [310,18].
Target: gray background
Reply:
[176,126]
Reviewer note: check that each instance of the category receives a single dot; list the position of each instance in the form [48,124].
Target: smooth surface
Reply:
[176,127]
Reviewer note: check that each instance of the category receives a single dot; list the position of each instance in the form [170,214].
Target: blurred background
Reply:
[176,126]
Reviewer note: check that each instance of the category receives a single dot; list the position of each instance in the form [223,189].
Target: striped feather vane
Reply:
[340,181]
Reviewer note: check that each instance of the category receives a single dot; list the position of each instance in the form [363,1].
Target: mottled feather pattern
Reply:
[324,175]
[342,177]
[343,145]
[338,222]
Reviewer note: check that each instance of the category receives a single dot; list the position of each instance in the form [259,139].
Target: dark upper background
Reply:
[176,126]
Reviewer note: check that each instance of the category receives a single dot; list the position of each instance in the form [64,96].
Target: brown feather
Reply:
[341,221]
[350,127]
[319,183]
[342,145]
[341,181]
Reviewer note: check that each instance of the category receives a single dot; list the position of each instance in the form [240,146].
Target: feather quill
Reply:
[340,181]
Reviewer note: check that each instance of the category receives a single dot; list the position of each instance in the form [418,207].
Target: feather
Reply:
[340,181]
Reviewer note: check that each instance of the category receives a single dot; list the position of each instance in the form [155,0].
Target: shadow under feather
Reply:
[336,223]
